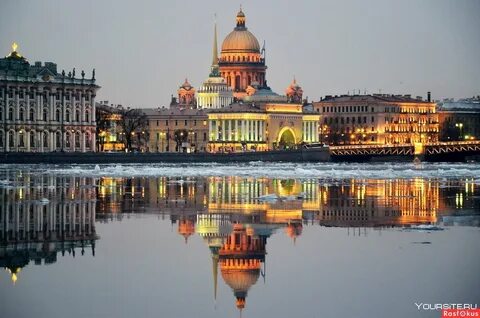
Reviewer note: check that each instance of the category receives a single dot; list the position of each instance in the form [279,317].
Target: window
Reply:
[58,140]
[45,114]
[176,123]
[185,123]
[21,115]
[77,115]
[11,139]
[32,114]
[87,116]
[87,140]
[67,116]
[373,119]
[21,139]
[67,140]
[45,139]
[32,139]
[1,138]
[166,122]
[204,136]
[77,140]
[57,115]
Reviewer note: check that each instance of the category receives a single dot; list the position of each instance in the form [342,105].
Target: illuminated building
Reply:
[186,97]
[261,126]
[110,136]
[377,119]
[42,110]
[37,222]
[294,92]
[214,93]
[177,129]
[241,62]
[459,120]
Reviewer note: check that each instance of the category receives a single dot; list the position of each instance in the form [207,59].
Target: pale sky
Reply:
[143,50]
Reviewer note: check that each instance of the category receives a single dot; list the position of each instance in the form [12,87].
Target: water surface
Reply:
[260,240]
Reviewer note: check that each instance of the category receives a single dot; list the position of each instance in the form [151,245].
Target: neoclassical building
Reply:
[42,110]
[242,62]
[215,92]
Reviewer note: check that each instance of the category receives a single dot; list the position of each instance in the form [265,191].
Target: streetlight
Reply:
[460,127]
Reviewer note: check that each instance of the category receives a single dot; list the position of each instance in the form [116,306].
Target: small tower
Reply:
[294,92]
[186,95]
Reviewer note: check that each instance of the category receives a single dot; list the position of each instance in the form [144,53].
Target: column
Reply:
[210,130]
[82,142]
[223,129]
[247,130]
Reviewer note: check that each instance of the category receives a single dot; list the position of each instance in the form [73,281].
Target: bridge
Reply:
[437,149]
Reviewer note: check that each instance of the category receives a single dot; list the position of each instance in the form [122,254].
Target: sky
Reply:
[143,50]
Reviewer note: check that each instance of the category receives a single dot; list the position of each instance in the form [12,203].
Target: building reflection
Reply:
[41,216]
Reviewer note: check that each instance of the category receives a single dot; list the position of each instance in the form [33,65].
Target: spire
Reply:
[215,275]
[214,72]
[215,50]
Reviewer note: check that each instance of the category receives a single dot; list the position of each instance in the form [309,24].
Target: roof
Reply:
[461,105]
[374,98]
[238,108]
[167,112]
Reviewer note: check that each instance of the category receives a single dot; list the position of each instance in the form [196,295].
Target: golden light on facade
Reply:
[14,47]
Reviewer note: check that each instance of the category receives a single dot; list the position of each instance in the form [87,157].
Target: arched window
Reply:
[1,138]
[10,113]
[21,114]
[21,139]
[57,115]
[32,114]
[87,116]
[45,114]
[87,140]
[11,139]
[67,115]
[58,140]
[1,113]
[32,139]
[67,140]
[45,139]
[77,140]
[77,115]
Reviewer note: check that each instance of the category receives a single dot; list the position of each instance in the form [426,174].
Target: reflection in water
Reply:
[41,215]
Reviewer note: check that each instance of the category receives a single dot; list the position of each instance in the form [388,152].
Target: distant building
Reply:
[214,93]
[377,119]
[177,129]
[459,120]
[110,135]
[186,97]
[241,59]
[42,110]
[261,126]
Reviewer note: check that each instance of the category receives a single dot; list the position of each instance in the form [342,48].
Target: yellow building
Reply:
[261,127]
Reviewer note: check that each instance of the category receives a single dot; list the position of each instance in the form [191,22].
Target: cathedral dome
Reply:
[240,39]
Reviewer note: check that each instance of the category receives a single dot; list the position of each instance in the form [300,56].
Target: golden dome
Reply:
[240,280]
[240,40]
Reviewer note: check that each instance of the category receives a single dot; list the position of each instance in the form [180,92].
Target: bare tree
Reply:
[134,124]
[102,115]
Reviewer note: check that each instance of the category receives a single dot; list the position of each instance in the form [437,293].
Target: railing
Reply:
[434,148]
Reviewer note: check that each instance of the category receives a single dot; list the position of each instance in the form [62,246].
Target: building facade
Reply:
[42,110]
[260,127]
[377,119]
[241,60]
[459,120]
[177,130]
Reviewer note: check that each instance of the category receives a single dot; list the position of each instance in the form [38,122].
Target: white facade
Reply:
[43,111]
[214,93]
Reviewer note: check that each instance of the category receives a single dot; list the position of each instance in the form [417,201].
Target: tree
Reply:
[134,123]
